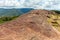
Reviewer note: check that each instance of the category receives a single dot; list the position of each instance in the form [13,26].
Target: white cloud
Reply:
[37,4]
[1,3]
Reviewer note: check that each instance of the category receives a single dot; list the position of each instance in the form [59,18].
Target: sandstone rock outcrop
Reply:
[30,26]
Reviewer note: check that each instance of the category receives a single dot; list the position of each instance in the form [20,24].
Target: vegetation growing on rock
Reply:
[55,19]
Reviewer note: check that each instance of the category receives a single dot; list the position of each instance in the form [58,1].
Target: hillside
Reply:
[30,26]
[14,12]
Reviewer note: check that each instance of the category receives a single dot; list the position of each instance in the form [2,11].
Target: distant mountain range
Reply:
[14,12]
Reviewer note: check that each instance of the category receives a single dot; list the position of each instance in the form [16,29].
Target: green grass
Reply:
[5,19]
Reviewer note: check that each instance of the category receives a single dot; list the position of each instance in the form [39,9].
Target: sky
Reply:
[36,4]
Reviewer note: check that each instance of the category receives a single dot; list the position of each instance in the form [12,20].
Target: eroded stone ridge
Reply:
[30,26]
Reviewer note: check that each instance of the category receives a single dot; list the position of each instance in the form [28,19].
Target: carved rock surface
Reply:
[30,26]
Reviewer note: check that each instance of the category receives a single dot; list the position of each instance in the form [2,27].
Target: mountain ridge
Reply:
[14,12]
[30,26]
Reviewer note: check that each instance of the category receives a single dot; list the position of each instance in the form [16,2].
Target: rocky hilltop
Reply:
[30,26]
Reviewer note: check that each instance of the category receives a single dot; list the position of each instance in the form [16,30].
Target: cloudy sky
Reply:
[37,4]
